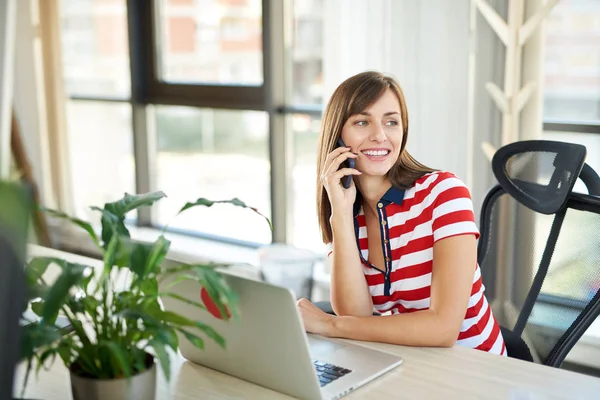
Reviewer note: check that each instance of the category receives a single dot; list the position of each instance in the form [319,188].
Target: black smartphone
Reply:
[349,163]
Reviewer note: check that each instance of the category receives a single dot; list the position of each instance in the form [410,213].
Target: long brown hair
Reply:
[353,96]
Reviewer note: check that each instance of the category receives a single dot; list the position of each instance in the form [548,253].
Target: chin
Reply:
[376,173]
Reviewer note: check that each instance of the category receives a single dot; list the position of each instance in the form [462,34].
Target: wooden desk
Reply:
[427,373]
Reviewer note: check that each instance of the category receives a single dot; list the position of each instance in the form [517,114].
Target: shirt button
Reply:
[380,205]
[387,259]
[383,223]
[385,241]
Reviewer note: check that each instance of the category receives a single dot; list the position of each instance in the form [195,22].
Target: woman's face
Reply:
[376,135]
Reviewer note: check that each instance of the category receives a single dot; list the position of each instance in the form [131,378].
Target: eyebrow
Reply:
[385,115]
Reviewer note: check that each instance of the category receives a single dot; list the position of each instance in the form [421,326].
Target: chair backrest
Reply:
[553,241]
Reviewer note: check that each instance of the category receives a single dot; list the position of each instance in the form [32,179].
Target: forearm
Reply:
[349,290]
[422,328]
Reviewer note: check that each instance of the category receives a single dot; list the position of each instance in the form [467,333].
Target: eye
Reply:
[392,122]
[360,123]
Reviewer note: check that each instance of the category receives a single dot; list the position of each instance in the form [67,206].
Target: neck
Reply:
[372,188]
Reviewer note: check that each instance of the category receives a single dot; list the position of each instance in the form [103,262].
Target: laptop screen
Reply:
[15,209]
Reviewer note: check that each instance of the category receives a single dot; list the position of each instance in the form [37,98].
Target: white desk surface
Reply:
[427,373]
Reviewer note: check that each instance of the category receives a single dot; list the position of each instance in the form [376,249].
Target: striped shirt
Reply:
[438,206]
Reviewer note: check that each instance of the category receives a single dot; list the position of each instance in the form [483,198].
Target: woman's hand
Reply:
[315,320]
[341,199]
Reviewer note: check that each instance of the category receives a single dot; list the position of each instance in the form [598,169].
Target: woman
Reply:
[401,239]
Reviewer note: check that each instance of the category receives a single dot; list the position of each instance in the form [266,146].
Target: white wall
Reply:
[425,45]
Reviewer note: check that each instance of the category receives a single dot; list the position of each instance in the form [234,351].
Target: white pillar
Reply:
[28,98]
[8,10]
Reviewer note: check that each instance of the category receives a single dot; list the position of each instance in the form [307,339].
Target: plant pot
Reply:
[141,386]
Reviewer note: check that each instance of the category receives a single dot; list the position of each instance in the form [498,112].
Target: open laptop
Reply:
[269,347]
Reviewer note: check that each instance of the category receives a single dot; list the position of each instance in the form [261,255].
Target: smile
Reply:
[376,154]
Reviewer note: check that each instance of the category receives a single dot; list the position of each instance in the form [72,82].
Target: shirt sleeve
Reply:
[329,248]
[452,209]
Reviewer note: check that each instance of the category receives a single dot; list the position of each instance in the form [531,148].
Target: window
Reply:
[307,53]
[96,67]
[572,63]
[210,41]
[218,155]
[172,95]
[572,114]
[101,153]
[95,48]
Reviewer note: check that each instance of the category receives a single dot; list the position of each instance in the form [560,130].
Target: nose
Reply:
[377,133]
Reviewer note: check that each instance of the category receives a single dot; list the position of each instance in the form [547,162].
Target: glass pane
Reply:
[591,143]
[101,154]
[95,48]
[210,41]
[572,61]
[307,53]
[218,155]
[305,227]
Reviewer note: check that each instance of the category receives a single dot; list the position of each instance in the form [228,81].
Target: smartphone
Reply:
[349,163]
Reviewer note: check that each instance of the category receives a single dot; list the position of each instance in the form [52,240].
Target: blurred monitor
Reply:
[15,210]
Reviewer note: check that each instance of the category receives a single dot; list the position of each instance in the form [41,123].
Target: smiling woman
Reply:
[401,238]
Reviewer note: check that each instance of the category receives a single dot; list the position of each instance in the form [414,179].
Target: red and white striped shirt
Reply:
[438,206]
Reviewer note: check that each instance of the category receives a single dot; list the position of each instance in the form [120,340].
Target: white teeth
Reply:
[375,153]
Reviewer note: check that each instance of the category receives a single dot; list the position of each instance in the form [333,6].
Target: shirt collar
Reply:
[393,195]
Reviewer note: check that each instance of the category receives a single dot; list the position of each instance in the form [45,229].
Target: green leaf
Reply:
[118,359]
[111,225]
[138,258]
[36,268]
[183,299]
[110,255]
[159,251]
[216,287]
[209,203]
[220,293]
[64,351]
[167,335]
[51,352]
[149,286]
[163,357]
[37,335]
[211,333]
[131,202]
[38,307]
[172,318]
[58,293]
[82,224]
[195,340]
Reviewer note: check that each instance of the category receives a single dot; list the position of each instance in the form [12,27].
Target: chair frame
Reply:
[583,202]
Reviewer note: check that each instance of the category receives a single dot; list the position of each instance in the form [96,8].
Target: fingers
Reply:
[332,172]
[337,157]
[303,302]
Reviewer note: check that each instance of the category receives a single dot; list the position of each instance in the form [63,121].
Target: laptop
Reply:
[268,345]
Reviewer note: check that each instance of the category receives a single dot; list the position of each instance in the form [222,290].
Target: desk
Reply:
[427,373]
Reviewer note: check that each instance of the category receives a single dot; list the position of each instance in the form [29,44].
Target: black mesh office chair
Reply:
[554,247]
[536,181]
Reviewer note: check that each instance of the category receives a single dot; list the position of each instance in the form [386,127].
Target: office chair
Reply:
[535,181]
[554,238]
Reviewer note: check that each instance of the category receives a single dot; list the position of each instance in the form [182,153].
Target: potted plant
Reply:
[117,323]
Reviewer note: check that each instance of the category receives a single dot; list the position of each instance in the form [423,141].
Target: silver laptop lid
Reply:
[269,349]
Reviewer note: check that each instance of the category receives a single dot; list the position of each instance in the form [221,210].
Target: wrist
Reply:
[334,325]
[341,220]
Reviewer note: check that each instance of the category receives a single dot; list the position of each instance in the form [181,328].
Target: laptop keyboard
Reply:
[328,373]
